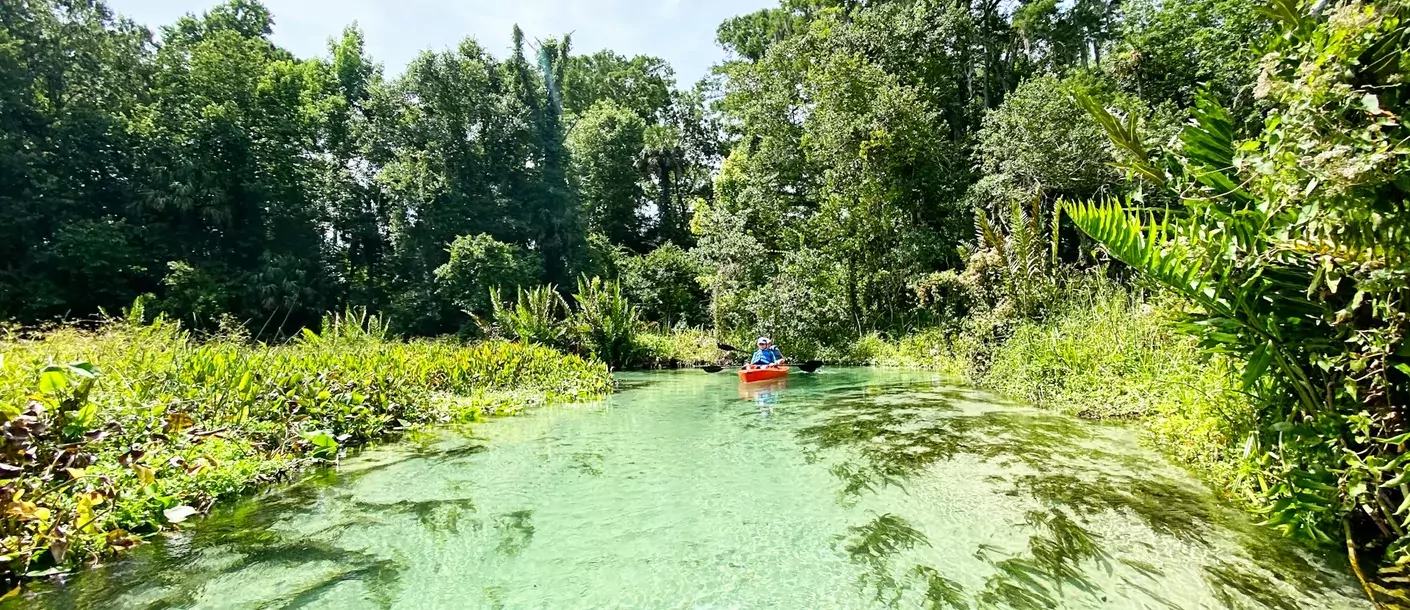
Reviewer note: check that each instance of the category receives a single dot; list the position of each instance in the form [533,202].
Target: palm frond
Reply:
[1125,134]
[1209,151]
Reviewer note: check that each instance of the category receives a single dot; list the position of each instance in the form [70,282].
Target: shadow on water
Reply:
[1035,579]
[176,570]
[884,435]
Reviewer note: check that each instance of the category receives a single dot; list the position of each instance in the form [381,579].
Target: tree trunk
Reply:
[852,305]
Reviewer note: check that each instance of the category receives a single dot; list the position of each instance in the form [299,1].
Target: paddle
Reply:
[806,367]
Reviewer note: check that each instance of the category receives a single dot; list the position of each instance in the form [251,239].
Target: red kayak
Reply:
[752,373]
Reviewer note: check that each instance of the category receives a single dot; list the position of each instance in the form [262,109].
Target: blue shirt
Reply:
[766,356]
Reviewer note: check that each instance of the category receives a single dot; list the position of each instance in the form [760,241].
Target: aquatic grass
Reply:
[111,435]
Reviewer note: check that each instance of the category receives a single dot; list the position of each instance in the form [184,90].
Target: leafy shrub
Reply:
[601,257]
[1042,141]
[944,295]
[605,322]
[479,263]
[197,295]
[803,307]
[538,316]
[663,285]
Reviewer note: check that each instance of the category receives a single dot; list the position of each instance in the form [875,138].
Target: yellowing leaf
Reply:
[176,422]
[144,474]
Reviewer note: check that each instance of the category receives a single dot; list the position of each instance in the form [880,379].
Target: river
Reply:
[849,488]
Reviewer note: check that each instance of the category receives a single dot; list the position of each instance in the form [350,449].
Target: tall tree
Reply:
[227,138]
[71,77]
[605,144]
[642,84]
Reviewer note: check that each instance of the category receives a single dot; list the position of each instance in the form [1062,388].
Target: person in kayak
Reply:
[767,354]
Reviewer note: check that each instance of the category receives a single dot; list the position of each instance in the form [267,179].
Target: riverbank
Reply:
[898,488]
[1103,352]
[115,433]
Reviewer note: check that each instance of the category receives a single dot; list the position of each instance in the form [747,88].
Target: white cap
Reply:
[763,340]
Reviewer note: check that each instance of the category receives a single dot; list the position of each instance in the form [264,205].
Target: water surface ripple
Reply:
[851,488]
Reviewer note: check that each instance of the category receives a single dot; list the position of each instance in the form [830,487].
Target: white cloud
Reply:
[681,32]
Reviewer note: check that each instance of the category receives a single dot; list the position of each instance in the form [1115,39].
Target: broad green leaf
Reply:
[53,379]
[1258,363]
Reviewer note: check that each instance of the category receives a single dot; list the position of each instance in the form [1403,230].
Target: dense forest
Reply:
[856,172]
[213,169]
[831,165]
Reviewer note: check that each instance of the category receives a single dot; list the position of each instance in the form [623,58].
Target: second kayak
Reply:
[754,373]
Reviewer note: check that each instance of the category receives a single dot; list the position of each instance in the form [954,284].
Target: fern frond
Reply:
[1147,248]
[986,232]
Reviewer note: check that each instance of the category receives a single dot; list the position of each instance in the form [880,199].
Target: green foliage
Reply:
[480,266]
[1168,50]
[98,456]
[281,187]
[663,285]
[676,348]
[1016,269]
[1042,142]
[605,322]
[605,143]
[869,181]
[803,307]
[1291,245]
[642,85]
[539,315]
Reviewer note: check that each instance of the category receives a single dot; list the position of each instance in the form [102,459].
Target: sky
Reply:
[680,31]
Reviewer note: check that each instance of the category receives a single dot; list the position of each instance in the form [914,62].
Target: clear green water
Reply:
[846,489]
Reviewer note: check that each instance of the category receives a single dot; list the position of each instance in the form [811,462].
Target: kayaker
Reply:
[767,354]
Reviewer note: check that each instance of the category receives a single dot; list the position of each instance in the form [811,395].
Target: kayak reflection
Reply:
[765,394]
